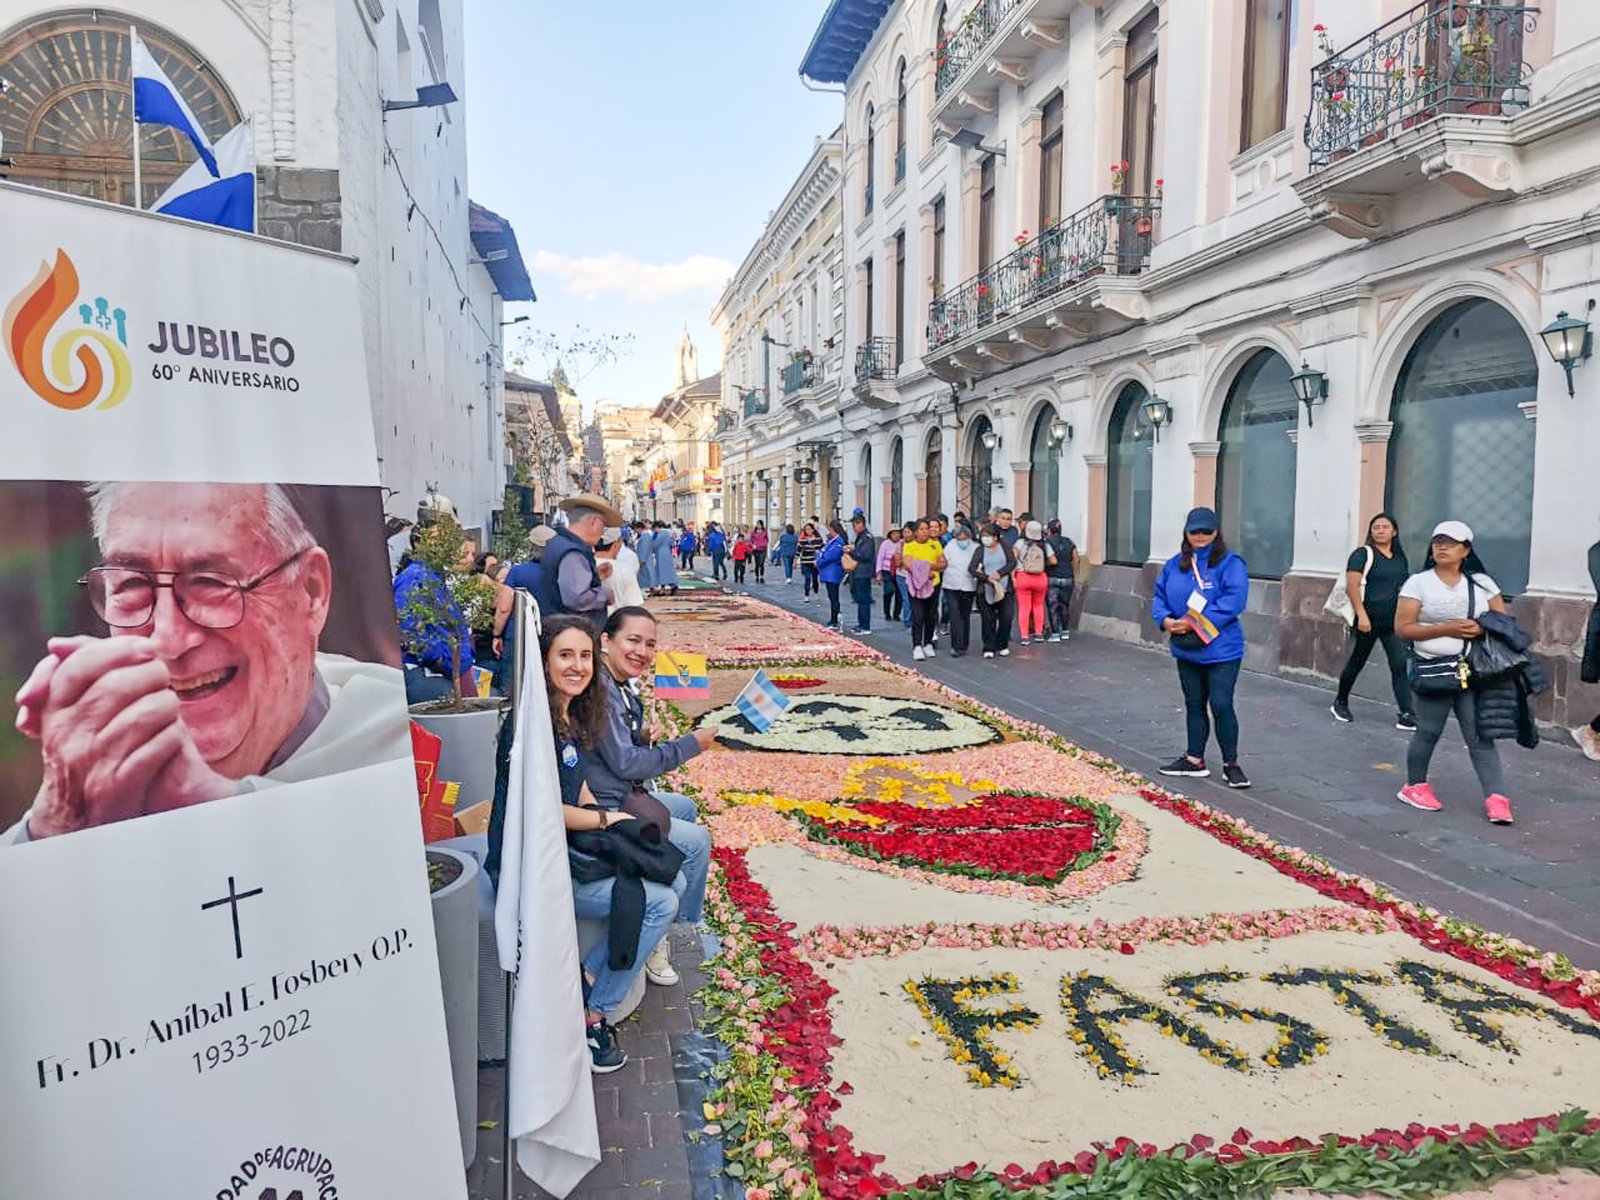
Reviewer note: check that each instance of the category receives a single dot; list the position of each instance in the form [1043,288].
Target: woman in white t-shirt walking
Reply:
[1435,614]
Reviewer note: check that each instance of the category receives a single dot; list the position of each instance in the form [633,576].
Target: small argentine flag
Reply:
[157,102]
[762,702]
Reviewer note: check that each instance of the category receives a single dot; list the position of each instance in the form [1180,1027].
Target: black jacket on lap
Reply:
[629,852]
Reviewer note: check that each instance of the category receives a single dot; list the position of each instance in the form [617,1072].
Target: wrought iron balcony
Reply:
[1112,236]
[1442,57]
[755,403]
[726,420]
[877,358]
[963,45]
[800,373]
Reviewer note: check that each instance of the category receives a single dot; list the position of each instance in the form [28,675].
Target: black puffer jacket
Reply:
[1505,709]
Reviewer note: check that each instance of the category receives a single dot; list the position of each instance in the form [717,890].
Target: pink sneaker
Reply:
[1420,795]
[1499,809]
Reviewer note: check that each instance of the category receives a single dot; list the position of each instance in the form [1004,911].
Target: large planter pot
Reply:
[469,737]
[453,881]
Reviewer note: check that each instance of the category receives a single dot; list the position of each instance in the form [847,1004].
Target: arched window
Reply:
[1256,467]
[897,471]
[1130,470]
[1462,446]
[980,475]
[1044,468]
[67,119]
[941,55]
[900,123]
[872,158]
[933,473]
[866,480]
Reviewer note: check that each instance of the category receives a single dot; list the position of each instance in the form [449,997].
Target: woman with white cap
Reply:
[1198,599]
[1437,614]
[1032,580]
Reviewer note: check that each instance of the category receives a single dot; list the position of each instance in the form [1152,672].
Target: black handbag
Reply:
[1438,676]
[1489,658]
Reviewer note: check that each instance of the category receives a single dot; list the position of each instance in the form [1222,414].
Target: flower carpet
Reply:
[964,958]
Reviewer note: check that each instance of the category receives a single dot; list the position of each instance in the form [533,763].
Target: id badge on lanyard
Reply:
[1197,599]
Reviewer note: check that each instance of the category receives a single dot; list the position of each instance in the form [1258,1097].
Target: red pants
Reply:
[1031,591]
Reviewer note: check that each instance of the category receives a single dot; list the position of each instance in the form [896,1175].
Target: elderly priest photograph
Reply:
[206,677]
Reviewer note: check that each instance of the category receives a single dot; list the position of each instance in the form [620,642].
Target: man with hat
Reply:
[570,579]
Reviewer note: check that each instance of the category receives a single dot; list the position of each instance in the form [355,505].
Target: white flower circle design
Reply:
[832,723]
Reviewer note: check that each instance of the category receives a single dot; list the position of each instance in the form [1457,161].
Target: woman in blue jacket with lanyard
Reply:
[1202,590]
[830,569]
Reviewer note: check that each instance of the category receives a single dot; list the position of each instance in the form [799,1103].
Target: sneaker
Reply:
[1498,809]
[1341,711]
[1006,653]
[1022,642]
[916,653]
[859,632]
[1186,766]
[1419,795]
[988,653]
[1235,775]
[929,650]
[1408,722]
[658,967]
[1588,741]
[1055,637]
[605,1056]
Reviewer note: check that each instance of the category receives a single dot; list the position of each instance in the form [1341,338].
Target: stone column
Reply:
[1111,54]
[1205,472]
[1373,437]
[1030,127]
[1095,482]
[971,183]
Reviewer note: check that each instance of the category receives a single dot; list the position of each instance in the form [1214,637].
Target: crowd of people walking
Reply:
[1019,576]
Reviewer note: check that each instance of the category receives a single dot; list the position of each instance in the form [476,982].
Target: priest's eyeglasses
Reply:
[125,597]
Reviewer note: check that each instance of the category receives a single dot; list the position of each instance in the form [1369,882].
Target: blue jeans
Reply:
[788,565]
[695,842]
[1210,684]
[905,599]
[592,901]
[717,571]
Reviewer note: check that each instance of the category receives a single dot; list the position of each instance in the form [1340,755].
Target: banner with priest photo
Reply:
[213,904]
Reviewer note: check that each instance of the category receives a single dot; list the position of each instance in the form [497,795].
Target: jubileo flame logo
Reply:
[85,365]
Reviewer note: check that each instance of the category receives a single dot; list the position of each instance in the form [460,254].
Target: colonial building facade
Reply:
[335,171]
[782,323]
[1097,249]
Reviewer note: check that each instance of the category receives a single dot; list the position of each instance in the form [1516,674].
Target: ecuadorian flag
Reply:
[682,676]
[762,702]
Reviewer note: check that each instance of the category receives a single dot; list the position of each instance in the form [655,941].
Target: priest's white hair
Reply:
[281,526]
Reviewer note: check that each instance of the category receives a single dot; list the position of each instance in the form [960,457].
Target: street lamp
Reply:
[1158,412]
[1310,387]
[1060,432]
[990,439]
[1570,342]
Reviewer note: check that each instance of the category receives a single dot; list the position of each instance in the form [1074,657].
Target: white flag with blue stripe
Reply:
[762,702]
[228,200]
[157,102]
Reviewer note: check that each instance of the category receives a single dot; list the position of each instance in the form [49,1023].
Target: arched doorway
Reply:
[1044,468]
[897,472]
[1462,446]
[67,119]
[1256,466]
[933,474]
[980,474]
[1130,473]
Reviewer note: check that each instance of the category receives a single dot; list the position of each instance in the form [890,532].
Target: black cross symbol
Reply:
[232,900]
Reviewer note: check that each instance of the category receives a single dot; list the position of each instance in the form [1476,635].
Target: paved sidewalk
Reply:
[649,1112]
[1325,787]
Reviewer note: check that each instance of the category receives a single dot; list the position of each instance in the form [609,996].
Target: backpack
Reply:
[1030,557]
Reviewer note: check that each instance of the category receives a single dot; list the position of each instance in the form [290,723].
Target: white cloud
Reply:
[640,281]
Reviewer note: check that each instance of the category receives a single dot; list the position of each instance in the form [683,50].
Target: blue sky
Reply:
[637,147]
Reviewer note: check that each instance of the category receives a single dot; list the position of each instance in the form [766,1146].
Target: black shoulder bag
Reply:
[1452,673]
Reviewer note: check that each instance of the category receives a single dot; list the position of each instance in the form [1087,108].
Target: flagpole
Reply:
[133,95]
